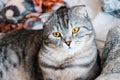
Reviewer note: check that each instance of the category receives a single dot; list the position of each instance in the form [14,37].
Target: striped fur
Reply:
[18,55]
[76,61]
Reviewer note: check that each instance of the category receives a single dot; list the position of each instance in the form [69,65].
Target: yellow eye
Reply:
[75,30]
[56,34]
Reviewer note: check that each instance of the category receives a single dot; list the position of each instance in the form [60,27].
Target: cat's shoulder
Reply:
[21,37]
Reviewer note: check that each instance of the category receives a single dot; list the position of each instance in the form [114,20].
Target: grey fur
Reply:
[18,55]
[60,61]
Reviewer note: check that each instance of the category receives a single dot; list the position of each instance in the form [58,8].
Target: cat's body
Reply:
[69,51]
[18,55]
[111,56]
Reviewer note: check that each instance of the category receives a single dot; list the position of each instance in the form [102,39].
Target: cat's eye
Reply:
[75,30]
[56,34]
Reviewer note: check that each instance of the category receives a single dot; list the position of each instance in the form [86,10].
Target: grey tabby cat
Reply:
[111,56]
[19,55]
[68,50]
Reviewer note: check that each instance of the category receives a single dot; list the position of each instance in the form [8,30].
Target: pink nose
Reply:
[68,43]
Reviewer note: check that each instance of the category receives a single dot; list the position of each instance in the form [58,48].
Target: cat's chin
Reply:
[69,47]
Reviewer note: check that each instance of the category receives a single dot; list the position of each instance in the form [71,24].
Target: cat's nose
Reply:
[68,42]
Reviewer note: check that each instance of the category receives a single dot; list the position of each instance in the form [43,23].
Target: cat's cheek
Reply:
[63,44]
[75,44]
[56,42]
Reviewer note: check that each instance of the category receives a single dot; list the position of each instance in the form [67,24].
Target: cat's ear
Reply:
[80,10]
[44,17]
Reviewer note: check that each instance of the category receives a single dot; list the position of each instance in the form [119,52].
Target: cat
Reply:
[23,52]
[68,50]
[18,55]
[112,7]
[110,60]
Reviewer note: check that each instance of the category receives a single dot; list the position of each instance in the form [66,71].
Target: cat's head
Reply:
[67,26]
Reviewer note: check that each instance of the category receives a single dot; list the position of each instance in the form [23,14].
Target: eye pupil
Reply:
[75,30]
[56,34]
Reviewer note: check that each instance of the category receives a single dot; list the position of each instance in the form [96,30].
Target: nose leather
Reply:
[68,43]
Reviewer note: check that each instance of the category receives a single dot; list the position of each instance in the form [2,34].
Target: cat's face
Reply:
[67,28]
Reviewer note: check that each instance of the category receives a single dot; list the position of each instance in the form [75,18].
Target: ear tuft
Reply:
[80,10]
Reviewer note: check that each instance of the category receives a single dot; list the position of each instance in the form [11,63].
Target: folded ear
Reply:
[80,10]
[44,17]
